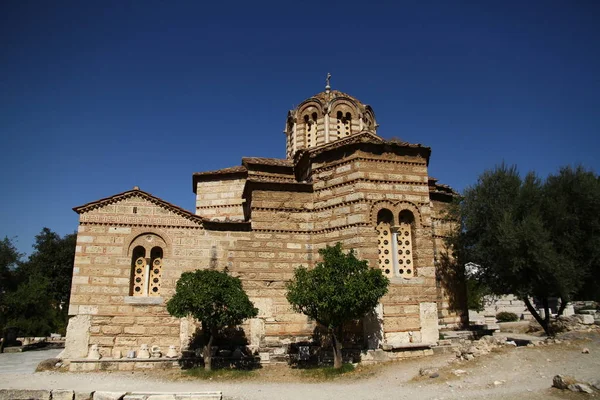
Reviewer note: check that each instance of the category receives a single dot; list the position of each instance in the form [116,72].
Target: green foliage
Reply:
[532,238]
[476,293]
[9,260]
[505,316]
[215,298]
[572,211]
[34,295]
[341,288]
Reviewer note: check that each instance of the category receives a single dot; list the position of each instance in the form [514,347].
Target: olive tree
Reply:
[214,298]
[337,290]
[529,237]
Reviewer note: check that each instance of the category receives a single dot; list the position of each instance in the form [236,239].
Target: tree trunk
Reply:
[337,347]
[563,305]
[206,351]
[543,322]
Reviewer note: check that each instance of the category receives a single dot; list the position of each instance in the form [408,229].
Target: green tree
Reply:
[511,228]
[337,290]
[34,295]
[51,266]
[214,298]
[9,261]
[572,211]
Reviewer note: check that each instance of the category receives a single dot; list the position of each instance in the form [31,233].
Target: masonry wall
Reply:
[102,273]
[287,230]
[348,194]
[220,199]
[452,306]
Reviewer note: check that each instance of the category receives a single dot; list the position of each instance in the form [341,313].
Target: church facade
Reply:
[339,182]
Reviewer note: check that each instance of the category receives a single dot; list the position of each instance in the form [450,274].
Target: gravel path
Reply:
[520,373]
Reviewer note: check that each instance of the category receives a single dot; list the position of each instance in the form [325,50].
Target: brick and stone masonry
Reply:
[341,182]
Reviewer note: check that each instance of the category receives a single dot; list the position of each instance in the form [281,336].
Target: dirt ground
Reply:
[510,373]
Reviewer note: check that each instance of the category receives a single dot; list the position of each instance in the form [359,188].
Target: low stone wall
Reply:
[61,394]
[122,364]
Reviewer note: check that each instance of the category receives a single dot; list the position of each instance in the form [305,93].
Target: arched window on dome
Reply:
[310,127]
[385,220]
[405,244]
[344,124]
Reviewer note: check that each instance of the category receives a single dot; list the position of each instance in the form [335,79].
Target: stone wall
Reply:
[220,199]
[288,224]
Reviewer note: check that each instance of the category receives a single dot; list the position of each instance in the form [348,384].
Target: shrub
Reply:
[506,316]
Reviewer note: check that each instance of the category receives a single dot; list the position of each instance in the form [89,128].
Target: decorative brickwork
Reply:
[340,182]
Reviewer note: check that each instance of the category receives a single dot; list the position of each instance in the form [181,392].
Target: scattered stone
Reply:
[428,371]
[595,384]
[434,375]
[511,343]
[498,383]
[459,372]
[562,381]
[48,364]
[469,357]
[585,350]
[580,387]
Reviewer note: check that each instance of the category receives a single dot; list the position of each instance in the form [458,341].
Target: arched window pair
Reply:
[395,243]
[146,271]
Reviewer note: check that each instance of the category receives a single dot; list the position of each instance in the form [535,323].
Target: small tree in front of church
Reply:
[214,298]
[337,290]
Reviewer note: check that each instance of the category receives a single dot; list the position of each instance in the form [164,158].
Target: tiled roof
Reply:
[279,162]
[222,171]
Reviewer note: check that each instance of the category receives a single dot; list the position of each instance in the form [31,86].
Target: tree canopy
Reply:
[214,298]
[529,237]
[34,294]
[339,289]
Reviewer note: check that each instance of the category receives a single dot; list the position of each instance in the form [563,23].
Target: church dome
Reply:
[326,117]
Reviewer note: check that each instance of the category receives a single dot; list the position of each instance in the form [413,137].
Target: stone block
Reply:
[585,319]
[62,394]
[109,395]
[83,395]
[24,394]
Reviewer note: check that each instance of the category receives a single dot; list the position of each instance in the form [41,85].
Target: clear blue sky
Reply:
[99,96]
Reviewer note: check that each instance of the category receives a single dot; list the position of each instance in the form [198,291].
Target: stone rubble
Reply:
[565,382]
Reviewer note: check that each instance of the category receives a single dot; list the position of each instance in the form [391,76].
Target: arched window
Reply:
[385,220]
[343,124]
[156,256]
[138,272]
[146,272]
[404,241]
[310,127]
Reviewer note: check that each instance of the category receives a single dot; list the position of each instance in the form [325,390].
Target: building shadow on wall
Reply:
[451,283]
[229,350]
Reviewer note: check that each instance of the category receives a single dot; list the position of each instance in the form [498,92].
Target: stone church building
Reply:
[339,182]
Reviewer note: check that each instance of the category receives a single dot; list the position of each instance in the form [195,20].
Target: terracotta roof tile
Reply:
[279,162]
[222,171]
